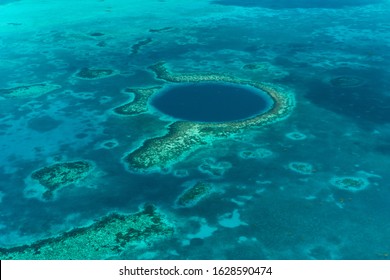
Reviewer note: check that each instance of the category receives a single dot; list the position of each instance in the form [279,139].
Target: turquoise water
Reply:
[305,4]
[276,188]
[208,102]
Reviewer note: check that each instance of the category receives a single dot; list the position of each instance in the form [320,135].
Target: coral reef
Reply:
[28,91]
[185,137]
[301,167]
[137,46]
[109,144]
[106,238]
[139,104]
[192,195]
[350,183]
[61,174]
[296,136]
[94,74]
[157,153]
[246,154]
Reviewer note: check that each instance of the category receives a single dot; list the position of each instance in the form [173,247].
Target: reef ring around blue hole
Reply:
[211,102]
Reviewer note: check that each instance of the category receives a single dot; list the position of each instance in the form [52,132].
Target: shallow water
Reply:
[315,185]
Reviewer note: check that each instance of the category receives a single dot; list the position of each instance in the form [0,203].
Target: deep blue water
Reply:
[211,102]
[332,55]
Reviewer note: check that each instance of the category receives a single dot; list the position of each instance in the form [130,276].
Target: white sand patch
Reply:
[231,220]
[244,239]
[204,231]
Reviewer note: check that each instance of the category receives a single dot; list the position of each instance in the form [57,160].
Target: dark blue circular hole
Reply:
[211,102]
